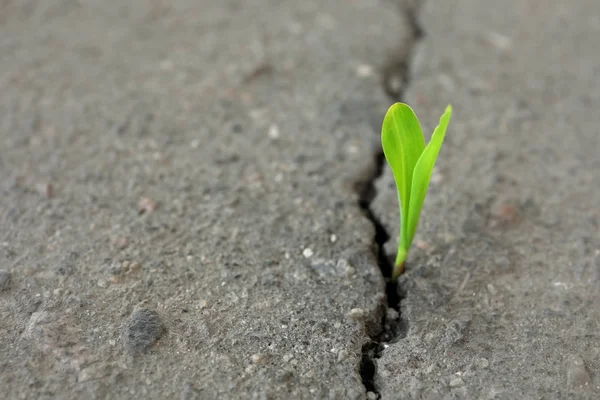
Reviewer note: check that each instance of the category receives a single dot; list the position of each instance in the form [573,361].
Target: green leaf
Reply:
[422,176]
[403,142]
[412,164]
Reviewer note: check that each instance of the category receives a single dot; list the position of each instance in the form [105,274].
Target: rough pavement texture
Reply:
[503,284]
[195,161]
[179,211]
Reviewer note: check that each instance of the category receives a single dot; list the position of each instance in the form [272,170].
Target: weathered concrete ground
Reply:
[178,208]
[180,186]
[503,291]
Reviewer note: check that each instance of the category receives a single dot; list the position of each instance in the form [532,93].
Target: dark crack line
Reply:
[395,79]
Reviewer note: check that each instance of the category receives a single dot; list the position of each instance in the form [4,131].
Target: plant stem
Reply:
[399,264]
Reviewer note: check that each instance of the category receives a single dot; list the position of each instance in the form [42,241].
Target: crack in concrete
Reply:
[395,79]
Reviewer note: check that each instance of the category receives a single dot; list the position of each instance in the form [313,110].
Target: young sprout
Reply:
[412,164]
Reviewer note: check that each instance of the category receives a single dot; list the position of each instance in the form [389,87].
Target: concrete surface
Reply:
[179,200]
[178,210]
[503,288]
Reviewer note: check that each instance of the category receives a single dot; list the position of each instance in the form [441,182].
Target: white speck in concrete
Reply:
[364,71]
[274,132]
[307,252]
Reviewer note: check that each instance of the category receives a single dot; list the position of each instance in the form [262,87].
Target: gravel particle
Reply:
[577,374]
[502,262]
[135,266]
[323,266]
[307,252]
[120,242]
[45,189]
[392,315]
[357,313]
[483,363]
[505,213]
[273,132]
[4,280]
[343,267]
[143,329]
[456,382]
[455,331]
[436,177]
[372,396]
[146,205]
[36,321]
[364,71]
[423,245]
[92,372]
[258,359]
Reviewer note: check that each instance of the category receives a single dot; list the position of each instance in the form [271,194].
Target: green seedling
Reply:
[412,164]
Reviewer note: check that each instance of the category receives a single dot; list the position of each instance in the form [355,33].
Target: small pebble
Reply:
[502,262]
[307,253]
[449,238]
[323,266]
[372,396]
[456,382]
[333,238]
[350,271]
[577,374]
[146,205]
[423,245]
[120,242]
[501,42]
[273,132]
[352,149]
[343,267]
[45,189]
[437,178]
[392,315]
[455,331]
[135,266]
[364,71]
[507,212]
[356,313]
[4,280]
[258,359]
[143,329]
